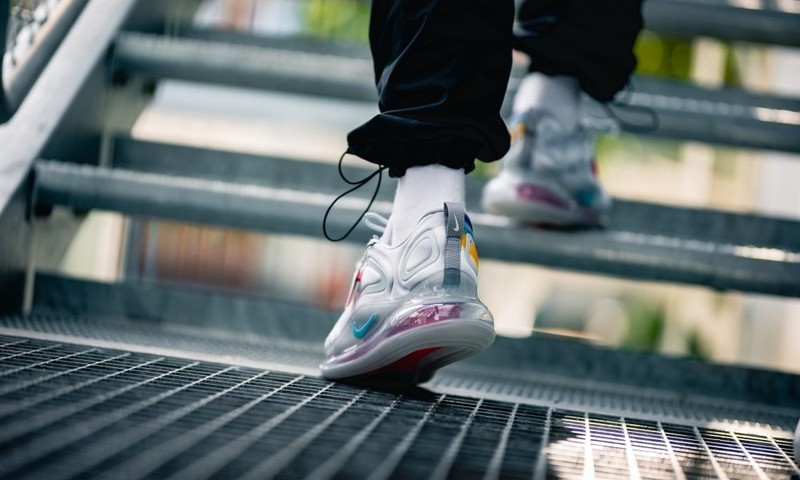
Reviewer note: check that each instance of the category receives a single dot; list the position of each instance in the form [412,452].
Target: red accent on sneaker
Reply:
[407,364]
[351,294]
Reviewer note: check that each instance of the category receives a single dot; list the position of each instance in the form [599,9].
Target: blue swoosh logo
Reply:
[361,331]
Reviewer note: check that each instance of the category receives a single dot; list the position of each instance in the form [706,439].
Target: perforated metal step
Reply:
[69,411]
[541,371]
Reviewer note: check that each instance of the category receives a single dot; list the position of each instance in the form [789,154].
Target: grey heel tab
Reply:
[454,225]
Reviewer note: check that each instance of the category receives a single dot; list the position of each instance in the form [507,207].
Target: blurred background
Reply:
[677,320]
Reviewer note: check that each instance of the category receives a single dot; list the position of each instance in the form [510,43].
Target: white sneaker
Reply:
[413,307]
[549,176]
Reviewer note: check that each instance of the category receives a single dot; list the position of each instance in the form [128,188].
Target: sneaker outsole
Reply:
[413,356]
[500,197]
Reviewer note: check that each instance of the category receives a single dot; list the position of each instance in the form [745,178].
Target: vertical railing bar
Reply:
[5,16]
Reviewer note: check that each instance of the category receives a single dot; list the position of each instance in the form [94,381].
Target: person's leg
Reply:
[441,68]
[560,95]
[419,191]
[589,40]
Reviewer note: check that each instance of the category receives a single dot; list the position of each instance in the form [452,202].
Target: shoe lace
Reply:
[356,185]
[623,103]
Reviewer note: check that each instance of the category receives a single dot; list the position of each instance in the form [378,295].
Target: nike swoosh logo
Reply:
[455,227]
[361,331]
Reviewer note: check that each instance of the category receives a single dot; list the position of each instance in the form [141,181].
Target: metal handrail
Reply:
[5,15]
[27,70]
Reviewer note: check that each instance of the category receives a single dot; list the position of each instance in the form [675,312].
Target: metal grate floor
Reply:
[69,411]
[513,379]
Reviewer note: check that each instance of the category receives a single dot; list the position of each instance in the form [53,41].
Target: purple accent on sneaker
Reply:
[528,192]
[425,316]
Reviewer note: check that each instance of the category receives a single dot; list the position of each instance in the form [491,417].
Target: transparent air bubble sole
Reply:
[444,332]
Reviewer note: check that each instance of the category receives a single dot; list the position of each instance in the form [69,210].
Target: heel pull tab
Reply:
[454,226]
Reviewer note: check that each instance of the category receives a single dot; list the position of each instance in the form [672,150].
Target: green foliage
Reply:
[344,20]
[663,56]
[696,347]
[731,75]
[669,57]
[646,325]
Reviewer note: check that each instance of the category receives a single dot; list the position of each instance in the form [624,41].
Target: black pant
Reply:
[442,67]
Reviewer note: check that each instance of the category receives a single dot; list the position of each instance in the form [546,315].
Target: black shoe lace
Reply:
[623,103]
[356,185]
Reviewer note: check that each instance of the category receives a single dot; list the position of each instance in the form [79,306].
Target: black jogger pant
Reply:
[442,68]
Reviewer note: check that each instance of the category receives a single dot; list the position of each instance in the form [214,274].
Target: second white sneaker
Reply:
[549,176]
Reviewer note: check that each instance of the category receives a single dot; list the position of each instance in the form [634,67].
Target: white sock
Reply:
[419,191]
[559,95]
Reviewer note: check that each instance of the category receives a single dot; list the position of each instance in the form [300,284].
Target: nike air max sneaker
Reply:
[549,176]
[413,307]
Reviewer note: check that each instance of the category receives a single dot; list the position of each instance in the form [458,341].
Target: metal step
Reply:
[729,117]
[769,21]
[319,177]
[716,249]
[77,410]
[545,369]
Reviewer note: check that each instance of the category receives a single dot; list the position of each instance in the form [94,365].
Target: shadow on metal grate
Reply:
[69,411]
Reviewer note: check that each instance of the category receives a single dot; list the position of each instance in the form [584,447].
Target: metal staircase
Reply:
[149,381]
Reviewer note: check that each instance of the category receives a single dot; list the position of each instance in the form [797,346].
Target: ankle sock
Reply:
[559,95]
[419,191]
